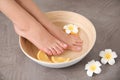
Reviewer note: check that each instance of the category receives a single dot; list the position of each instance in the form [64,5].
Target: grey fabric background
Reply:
[105,15]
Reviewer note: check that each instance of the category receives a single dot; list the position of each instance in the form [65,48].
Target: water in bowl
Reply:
[32,50]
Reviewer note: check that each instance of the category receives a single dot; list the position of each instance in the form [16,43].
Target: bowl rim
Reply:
[73,60]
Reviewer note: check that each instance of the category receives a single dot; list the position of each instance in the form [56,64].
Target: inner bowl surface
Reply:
[61,18]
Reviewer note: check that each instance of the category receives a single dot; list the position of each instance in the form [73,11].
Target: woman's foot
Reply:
[26,26]
[42,39]
[73,41]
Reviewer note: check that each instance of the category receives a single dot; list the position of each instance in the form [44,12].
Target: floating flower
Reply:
[93,67]
[71,29]
[108,56]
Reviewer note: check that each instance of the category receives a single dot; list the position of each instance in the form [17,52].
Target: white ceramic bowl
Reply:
[60,18]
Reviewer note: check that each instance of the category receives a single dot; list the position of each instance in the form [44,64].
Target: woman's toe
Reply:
[76,48]
[62,44]
[48,51]
[78,44]
[60,48]
[57,50]
[54,52]
[79,41]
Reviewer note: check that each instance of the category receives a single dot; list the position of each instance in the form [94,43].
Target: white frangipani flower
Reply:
[108,56]
[71,29]
[93,67]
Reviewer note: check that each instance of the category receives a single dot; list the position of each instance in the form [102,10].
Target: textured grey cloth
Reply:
[105,15]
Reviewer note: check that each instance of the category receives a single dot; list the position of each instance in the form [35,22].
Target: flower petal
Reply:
[101,53]
[65,27]
[89,73]
[111,62]
[91,62]
[87,66]
[98,63]
[75,30]
[114,55]
[98,70]
[108,50]
[68,31]
[104,61]
[76,26]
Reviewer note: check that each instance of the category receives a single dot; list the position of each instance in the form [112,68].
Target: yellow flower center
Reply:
[108,56]
[70,28]
[93,67]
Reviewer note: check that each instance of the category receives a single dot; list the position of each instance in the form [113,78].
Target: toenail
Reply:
[60,52]
[49,53]
[79,48]
[65,45]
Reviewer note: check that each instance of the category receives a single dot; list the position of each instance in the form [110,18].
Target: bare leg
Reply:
[74,42]
[26,26]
